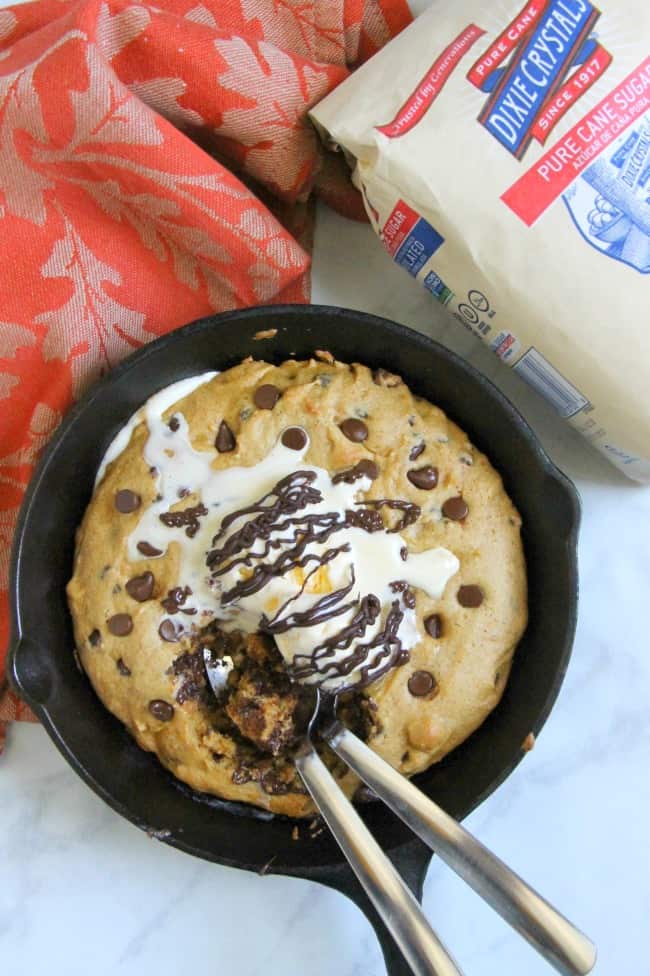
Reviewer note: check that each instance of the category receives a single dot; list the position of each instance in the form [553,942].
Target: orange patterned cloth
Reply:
[156,165]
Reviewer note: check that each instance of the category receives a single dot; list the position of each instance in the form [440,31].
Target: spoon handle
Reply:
[389,894]
[560,942]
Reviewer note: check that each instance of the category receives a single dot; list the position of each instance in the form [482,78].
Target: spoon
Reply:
[388,892]
[549,932]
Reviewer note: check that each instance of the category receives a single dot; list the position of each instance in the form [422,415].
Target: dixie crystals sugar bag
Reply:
[503,154]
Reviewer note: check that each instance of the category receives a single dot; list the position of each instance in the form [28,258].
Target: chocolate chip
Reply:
[470,595]
[455,508]
[416,451]
[94,638]
[403,553]
[294,438]
[424,478]
[161,710]
[355,430]
[174,423]
[147,549]
[122,668]
[140,588]
[120,624]
[421,683]
[170,631]
[433,625]
[225,439]
[127,501]
[183,492]
[266,396]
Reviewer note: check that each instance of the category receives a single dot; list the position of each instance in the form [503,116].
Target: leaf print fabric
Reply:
[156,165]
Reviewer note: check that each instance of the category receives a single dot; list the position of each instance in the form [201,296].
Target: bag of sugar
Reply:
[503,154]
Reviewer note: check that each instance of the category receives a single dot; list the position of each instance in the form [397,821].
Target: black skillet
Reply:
[42,666]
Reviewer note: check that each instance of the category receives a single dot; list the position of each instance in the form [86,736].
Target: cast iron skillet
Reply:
[42,666]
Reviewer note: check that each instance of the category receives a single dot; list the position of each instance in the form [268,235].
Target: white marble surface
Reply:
[82,889]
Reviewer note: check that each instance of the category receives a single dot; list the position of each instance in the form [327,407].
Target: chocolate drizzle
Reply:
[410,511]
[365,468]
[277,536]
[187,518]
[387,646]
[175,599]
[285,500]
[326,608]
[306,665]
[408,596]
[368,519]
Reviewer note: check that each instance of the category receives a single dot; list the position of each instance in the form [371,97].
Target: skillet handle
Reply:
[412,861]
[387,891]
[554,937]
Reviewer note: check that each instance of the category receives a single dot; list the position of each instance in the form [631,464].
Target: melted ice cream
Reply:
[342,613]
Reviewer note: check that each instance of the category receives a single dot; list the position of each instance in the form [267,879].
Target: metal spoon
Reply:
[560,942]
[393,900]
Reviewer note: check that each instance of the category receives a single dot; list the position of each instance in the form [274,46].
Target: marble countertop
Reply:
[83,889]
